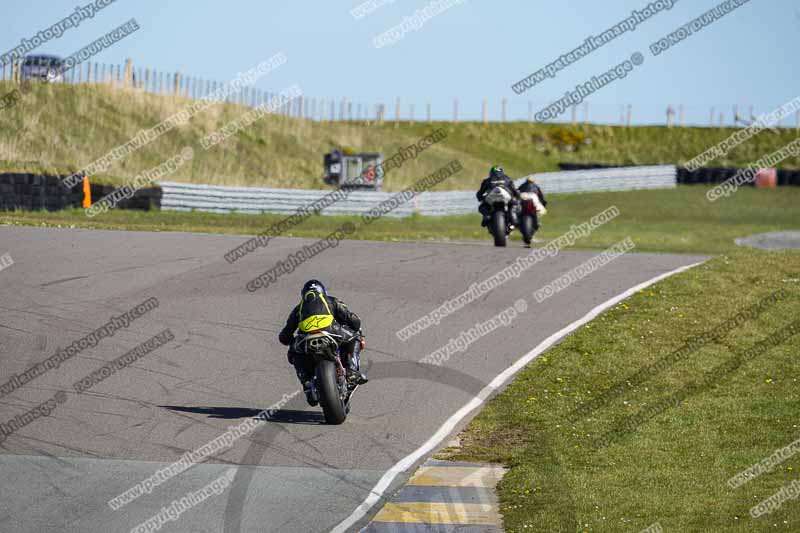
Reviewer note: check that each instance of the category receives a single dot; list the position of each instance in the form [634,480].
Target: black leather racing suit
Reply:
[304,366]
[497,181]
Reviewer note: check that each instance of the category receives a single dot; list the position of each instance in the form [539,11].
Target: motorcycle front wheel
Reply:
[498,227]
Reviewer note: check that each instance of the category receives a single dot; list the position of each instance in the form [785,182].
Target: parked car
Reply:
[42,67]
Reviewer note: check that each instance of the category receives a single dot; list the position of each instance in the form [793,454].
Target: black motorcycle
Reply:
[499,200]
[330,386]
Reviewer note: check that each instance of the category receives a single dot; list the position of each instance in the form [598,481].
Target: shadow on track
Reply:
[437,376]
[286,416]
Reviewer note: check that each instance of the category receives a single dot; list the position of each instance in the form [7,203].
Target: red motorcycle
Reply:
[531,209]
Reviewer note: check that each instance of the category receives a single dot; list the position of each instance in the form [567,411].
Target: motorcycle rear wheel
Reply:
[327,387]
[526,228]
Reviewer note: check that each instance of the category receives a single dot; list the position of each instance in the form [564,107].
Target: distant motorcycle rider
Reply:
[497,178]
[318,310]
[530,186]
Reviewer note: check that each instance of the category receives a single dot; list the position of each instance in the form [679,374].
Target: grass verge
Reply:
[672,468]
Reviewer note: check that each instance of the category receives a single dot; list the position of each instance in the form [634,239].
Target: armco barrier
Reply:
[27,191]
[608,179]
[221,199]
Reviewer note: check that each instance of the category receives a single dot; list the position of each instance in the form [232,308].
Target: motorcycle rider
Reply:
[318,310]
[497,178]
[530,186]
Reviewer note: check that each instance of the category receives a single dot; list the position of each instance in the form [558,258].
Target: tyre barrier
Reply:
[142,199]
[701,176]
[33,192]
[588,166]
[714,175]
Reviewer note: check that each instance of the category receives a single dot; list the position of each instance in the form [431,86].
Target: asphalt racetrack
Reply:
[224,365]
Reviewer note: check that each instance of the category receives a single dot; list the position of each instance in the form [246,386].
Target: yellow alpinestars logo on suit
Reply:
[320,318]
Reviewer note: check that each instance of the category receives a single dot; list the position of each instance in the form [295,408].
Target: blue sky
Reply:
[472,51]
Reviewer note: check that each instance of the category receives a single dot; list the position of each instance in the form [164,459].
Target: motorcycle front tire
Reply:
[498,227]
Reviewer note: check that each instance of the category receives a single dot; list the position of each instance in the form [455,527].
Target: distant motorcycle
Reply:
[329,385]
[531,208]
[499,200]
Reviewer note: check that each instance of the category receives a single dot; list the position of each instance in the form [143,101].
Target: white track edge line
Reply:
[450,424]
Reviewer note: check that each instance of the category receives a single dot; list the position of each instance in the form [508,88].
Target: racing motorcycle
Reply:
[531,205]
[499,199]
[329,384]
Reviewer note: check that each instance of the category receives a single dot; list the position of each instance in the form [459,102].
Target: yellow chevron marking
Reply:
[440,513]
[457,476]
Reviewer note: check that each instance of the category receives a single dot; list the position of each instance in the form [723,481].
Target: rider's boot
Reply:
[308,388]
[353,371]
[356,377]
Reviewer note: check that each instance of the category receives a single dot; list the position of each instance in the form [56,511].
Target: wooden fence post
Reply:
[128,72]
[484,112]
